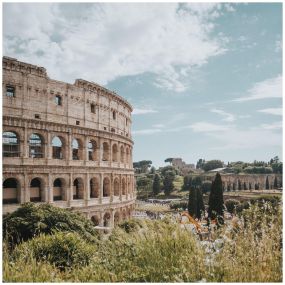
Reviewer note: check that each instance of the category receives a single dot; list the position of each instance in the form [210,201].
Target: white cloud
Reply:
[103,41]
[137,111]
[270,88]
[273,126]
[228,117]
[202,127]
[272,111]
[146,132]
[278,45]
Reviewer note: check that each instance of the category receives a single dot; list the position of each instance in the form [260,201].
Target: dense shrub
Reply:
[231,204]
[131,225]
[178,205]
[206,186]
[61,249]
[31,220]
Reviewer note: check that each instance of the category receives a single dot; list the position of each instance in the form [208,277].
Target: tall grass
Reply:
[160,251]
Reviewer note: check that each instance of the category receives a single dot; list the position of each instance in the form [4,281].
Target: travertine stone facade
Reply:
[66,144]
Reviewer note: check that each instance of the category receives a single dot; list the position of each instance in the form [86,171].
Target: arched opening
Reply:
[124,215]
[105,152]
[106,187]
[122,155]
[36,190]
[114,153]
[127,155]
[123,186]
[58,190]
[107,220]
[78,189]
[92,150]
[96,221]
[116,187]
[129,187]
[76,149]
[11,191]
[57,148]
[116,218]
[94,188]
[36,146]
[11,144]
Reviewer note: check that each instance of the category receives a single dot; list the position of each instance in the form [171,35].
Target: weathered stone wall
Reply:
[87,113]
[247,181]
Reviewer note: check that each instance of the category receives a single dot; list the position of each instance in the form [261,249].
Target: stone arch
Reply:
[124,186]
[94,188]
[116,187]
[95,219]
[77,149]
[115,152]
[92,150]
[78,189]
[106,187]
[36,145]
[129,186]
[58,147]
[117,218]
[11,144]
[11,191]
[107,219]
[106,152]
[122,154]
[59,189]
[127,155]
[37,190]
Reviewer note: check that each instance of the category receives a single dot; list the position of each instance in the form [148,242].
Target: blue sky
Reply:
[205,80]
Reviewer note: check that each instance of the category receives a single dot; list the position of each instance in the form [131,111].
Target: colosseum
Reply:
[66,144]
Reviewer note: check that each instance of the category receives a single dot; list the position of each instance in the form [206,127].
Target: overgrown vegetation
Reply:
[155,251]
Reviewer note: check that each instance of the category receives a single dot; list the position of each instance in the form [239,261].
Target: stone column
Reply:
[120,190]
[87,188]
[101,188]
[26,188]
[111,188]
[48,149]
[68,148]
[50,189]
[69,190]
[85,149]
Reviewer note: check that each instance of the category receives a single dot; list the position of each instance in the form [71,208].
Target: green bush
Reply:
[31,220]
[178,205]
[231,205]
[61,249]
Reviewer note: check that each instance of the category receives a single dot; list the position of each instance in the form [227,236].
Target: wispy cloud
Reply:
[201,127]
[147,131]
[137,111]
[270,88]
[273,126]
[228,117]
[158,126]
[272,111]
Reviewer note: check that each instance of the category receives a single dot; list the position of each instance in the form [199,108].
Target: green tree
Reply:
[216,200]
[156,185]
[275,183]
[195,203]
[206,186]
[142,166]
[170,159]
[267,183]
[212,164]
[200,163]
[187,180]
[196,182]
[152,170]
[168,185]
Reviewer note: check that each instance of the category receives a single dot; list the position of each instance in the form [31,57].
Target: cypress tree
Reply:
[200,204]
[267,183]
[216,201]
[275,183]
[192,202]
[156,185]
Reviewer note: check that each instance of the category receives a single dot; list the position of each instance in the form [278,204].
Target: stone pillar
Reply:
[26,143]
[50,189]
[101,188]
[26,188]
[48,148]
[120,190]
[85,149]
[68,148]
[87,188]
[69,190]
[111,188]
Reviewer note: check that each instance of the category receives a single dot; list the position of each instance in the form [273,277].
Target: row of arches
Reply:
[37,189]
[109,219]
[36,145]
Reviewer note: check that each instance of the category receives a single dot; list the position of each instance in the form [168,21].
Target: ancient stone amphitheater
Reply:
[66,144]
